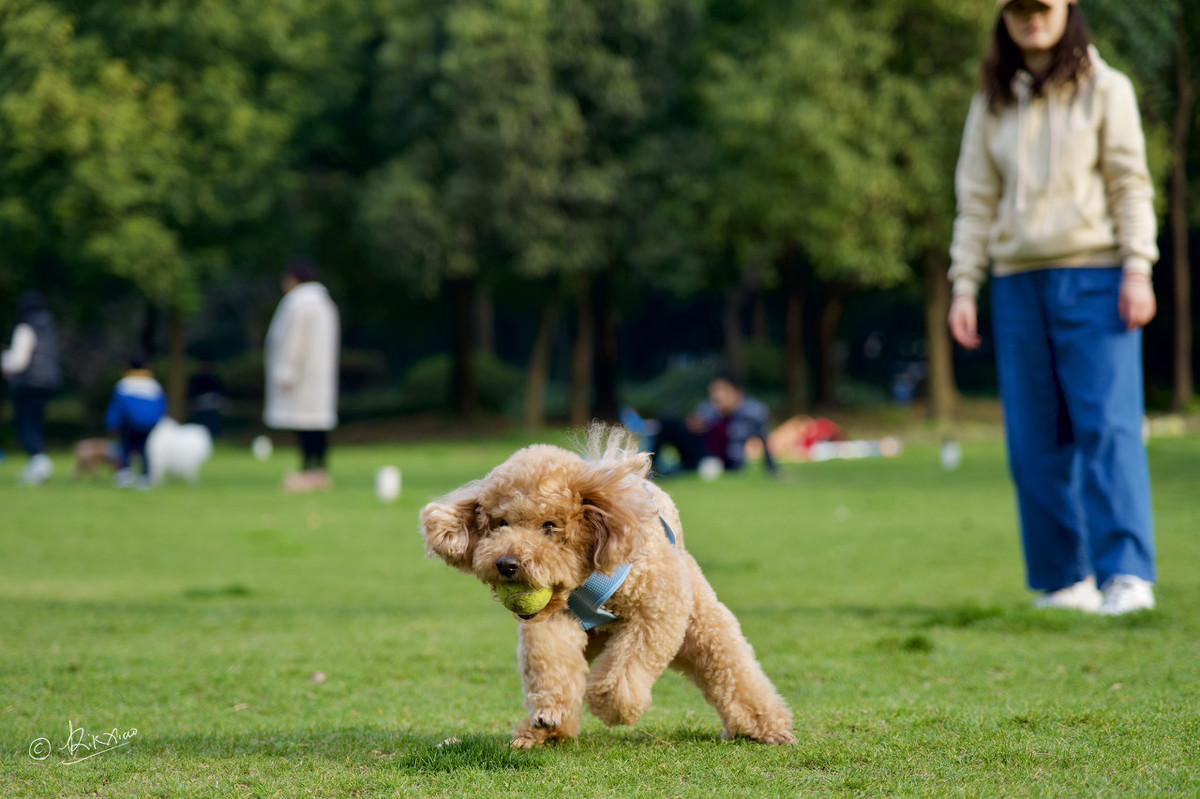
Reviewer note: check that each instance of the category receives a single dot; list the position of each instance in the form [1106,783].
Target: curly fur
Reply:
[551,517]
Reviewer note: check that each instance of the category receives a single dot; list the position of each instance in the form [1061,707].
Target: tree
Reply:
[1158,40]
[807,179]
[515,130]
[478,135]
[930,80]
[155,142]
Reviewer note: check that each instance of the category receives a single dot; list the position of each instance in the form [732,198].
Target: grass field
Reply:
[884,597]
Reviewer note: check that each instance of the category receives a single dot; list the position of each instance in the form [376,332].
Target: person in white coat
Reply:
[301,361]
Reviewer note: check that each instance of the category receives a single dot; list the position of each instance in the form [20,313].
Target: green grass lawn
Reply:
[884,597]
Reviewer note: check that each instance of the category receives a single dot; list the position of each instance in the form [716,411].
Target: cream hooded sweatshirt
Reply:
[1054,181]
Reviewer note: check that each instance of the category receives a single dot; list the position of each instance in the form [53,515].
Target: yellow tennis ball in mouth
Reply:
[522,598]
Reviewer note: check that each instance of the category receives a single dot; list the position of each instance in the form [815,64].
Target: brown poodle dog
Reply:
[90,455]
[550,518]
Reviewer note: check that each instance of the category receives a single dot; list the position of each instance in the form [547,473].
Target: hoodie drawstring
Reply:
[1051,161]
[1022,101]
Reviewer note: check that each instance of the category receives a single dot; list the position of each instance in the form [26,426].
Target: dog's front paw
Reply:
[526,739]
[527,734]
[546,718]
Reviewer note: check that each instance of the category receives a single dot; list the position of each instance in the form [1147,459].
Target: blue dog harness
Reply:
[585,601]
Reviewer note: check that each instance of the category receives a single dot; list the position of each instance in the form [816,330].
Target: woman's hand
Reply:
[1136,303]
[964,321]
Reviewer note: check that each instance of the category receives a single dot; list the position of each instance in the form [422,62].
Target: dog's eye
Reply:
[549,527]
[501,523]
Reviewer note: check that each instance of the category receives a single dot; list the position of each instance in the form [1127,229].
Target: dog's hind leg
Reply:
[553,676]
[718,658]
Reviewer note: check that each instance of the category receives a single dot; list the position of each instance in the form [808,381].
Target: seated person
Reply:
[717,428]
[137,404]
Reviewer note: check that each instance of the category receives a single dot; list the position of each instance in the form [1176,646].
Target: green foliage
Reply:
[426,386]
[804,145]
[150,143]
[1145,40]
[476,176]
[839,134]
[764,365]
[161,148]
[524,136]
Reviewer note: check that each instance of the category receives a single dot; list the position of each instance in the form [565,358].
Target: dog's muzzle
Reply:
[507,565]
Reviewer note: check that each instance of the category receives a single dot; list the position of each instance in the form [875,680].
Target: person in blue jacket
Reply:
[138,403]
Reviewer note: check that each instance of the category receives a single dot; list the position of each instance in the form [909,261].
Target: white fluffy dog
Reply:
[177,450]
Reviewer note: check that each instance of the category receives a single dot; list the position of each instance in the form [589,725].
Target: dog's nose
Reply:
[507,565]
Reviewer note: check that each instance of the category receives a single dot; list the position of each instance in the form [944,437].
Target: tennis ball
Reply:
[522,598]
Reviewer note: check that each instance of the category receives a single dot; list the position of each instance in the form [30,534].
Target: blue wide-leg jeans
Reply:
[1071,386]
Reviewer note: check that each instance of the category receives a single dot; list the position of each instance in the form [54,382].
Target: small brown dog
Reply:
[554,519]
[90,455]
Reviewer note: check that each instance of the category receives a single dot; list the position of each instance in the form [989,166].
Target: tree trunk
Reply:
[735,339]
[943,396]
[795,365]
[1181,392]
[581,357]
[760,322]
[608,322]
[462,374]
[149,334]
[177,376]
[827,327]
[485,322]
[537,376]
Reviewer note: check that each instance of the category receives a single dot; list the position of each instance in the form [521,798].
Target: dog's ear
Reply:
[450,527]
[615,507]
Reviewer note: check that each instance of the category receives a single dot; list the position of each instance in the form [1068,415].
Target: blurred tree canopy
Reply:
[780,157]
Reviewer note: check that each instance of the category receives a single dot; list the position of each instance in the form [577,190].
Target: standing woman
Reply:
[30,365]
[302,372]
[1053,190]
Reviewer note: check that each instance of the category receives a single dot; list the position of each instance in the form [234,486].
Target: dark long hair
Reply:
[302,269]
[1068,64]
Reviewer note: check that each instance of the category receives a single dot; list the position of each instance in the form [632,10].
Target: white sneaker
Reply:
[1080,596]
[124,478]
[37,471]
[1124,593]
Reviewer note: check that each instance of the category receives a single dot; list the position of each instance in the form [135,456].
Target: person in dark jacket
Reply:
[30,365]
[718,428]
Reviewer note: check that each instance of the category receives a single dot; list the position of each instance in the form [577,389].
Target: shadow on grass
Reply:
[363,745]
[1027,619]
[231,591]
[351,743]
[995,618]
